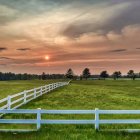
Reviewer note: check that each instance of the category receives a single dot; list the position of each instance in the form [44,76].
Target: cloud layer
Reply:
[93,33]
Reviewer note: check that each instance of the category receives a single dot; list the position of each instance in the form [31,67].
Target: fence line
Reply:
[96,121]
[19,99]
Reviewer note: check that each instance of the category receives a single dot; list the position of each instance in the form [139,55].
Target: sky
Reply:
[98,34]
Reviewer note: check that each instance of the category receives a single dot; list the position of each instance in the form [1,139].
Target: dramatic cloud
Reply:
[78,33]
[106,18]
[6,14]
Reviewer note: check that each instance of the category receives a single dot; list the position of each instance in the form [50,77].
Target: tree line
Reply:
[25,76]
[103,75]
[86,74]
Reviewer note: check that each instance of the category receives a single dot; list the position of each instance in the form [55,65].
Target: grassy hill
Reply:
[100,94]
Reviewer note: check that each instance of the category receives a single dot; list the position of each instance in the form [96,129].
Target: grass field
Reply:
[100,94]
[13,87]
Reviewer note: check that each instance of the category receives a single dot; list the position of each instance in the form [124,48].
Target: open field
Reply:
[100,94]
[16,86]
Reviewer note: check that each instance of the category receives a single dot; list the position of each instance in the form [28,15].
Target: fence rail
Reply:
[19,99]
[96,121]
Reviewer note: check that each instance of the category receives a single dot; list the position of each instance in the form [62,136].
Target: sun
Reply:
[47,57]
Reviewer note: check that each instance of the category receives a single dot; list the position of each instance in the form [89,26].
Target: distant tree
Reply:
[117,74]
[43,76]
[104,74]
[80,77]
[134,77]
[86,73]
[75,77]
[69,74]
[25,76]
[131,74]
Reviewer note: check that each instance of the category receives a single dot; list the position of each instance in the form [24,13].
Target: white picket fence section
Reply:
[19,99]
[96,121]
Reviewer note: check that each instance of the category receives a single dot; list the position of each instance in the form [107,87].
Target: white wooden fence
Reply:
[19,99]
[11,103]
[96,121]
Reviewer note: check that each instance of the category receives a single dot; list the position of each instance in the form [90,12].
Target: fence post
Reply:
[49,87]
[96,119]
[9,102]
[38,118]
[41,90]
[24,96]
[34,93]
[68,83]
[46,88]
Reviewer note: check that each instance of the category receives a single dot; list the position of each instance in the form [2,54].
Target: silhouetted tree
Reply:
[69,74]
[43,76]
[86,73]
[131,74]
[104,74]
[117,74]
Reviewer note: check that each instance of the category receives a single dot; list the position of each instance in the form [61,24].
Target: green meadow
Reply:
[90,94]
[16,86]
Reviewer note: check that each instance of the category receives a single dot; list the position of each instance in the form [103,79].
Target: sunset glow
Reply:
[47,57]
[100,35]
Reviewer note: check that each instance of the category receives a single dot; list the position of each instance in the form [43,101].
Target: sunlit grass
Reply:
[16,86]
[106,94]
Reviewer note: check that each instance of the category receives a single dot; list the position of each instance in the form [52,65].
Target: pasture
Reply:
[15,86]
[102,94]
